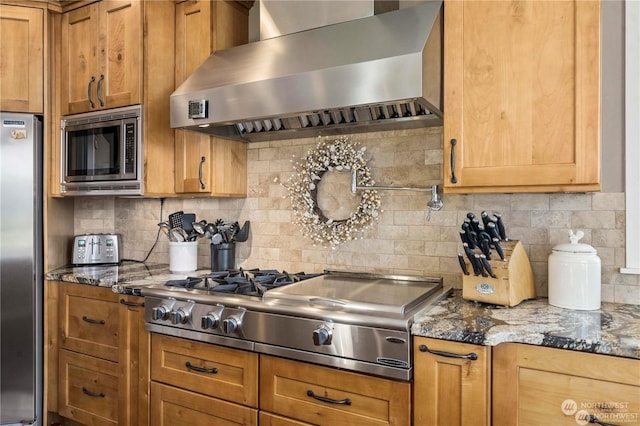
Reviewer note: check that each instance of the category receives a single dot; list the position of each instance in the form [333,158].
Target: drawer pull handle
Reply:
[593,419]
[133,304]
[345,401]
[200,369]
[471,355]
[92,321]
[96,395]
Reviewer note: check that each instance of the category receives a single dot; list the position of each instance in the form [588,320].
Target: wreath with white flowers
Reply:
[340,155]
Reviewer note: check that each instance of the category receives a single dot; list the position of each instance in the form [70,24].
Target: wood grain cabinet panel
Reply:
[89,323]
[21,59]
[173,406]
[102,54]
[535,385]
[88,389]
[211,370]
[522,96]
[326,396]
[99,365]
[449,389]
[203,164]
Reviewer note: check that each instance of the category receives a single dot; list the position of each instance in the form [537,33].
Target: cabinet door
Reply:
[89,321]
[204,164]
[79,60]
[21,59]
[194,44]
[173,406]
[88,389]
[119,74]
[535,385]
[450,389]
[522,96]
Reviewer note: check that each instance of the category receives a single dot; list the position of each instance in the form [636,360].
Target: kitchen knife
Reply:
[463,265]
[498,247]
[472,259]
[480,265]
[492,230]
[472,236]
[486,219]
[475,225]
[501,229]
[484,246]
[463,237]
[487,266]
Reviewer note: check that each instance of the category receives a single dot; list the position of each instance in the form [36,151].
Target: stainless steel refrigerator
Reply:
[21,269]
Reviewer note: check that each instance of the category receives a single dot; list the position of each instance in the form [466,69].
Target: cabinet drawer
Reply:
[89,322]
[268,419]
[88,389]
[217,371]
[294,389]
[173,406]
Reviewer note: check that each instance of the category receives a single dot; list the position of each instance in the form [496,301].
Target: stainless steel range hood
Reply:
[376,73]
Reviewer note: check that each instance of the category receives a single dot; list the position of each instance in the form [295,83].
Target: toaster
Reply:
[92,249]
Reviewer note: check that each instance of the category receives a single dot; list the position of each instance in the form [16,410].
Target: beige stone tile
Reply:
[570,201]
[608,201]
[550,219]
[627,294]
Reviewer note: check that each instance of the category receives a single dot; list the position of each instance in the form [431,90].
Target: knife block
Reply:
[513,282]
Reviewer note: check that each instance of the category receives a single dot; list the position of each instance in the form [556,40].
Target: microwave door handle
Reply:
[99,90]
[89,91]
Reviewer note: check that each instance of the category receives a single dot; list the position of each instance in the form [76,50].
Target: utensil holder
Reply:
[183,256]
[513,283]
[223,256]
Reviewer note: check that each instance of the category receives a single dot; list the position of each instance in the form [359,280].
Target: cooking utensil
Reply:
[164,226]
[175,220]
[216,238]
[487,266]
[463,265]
[498,247]
[481,268]
[178,234]
[501,229]
[243,233]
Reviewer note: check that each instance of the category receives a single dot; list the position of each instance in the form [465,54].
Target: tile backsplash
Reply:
[401,242]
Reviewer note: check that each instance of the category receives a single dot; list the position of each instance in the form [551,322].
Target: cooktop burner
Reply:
[249,282]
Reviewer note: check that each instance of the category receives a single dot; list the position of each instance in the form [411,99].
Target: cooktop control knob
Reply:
[179,316]
[322,335]
[160,313]
[231,324]
[211,320]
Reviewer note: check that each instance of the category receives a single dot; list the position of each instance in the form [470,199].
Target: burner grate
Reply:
[249,282]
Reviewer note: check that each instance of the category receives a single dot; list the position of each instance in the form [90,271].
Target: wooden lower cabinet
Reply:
[97,356]
[196,383]
[173,406]
[327,396]
[449,389]
[535,385]
[88,389]
[268,419]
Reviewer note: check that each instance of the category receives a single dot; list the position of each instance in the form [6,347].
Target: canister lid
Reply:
[574,246]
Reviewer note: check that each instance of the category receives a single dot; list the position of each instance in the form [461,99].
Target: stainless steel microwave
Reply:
[101,152]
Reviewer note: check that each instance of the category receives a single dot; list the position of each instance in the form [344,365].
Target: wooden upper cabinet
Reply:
[21,59]
[522,96]
[102,56]
[204,164]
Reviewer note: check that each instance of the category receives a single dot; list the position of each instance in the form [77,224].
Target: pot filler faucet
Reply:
[434,204]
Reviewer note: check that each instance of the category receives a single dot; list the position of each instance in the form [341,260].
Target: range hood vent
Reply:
[376,73]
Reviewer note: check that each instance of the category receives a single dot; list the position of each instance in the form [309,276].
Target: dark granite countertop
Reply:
[614,329]
[125,278]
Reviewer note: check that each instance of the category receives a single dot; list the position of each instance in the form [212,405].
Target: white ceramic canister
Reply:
[574,275]
[183,256]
